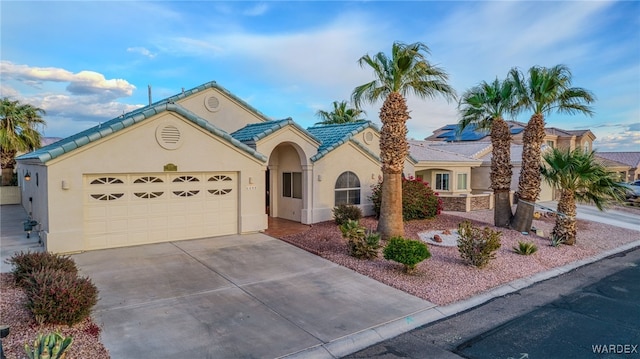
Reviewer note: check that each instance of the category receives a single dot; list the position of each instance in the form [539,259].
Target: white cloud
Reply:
[257,10]
[142,51]
[325,56]
[625,141]
[80,83]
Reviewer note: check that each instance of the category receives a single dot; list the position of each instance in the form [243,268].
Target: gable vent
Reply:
[169,136]
[212,103]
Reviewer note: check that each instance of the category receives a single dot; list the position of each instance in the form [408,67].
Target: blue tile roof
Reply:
[80,139]
[253,132]
[470,133]
[332,136]
[95,133]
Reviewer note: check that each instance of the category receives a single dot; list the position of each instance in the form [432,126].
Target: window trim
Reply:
[292,187]
[439,183]
[351,199]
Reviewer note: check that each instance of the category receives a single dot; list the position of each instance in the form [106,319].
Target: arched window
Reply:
[347,189]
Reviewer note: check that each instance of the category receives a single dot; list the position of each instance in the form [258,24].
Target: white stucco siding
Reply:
[34,194]
[327,170]
[481,182]
[136,150]
[228,116]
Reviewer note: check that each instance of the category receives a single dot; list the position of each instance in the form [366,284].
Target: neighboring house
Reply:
[555,137]
[199,164]
[627,164]
[476,144]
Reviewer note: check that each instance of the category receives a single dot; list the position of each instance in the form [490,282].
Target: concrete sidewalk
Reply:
[13,238]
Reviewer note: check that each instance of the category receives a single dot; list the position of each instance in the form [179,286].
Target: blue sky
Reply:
[86,62]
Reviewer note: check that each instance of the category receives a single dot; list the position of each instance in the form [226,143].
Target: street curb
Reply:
[363,339]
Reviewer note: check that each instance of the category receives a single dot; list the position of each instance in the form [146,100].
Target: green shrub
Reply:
[477,246]
[525,248]
[60,297]
[24,264]
[362,244]
[344,212]
[419,201]
[408,252]
[50,346]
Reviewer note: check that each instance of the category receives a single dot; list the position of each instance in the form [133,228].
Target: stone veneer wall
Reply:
[466,203]
[480,202]
[455,204]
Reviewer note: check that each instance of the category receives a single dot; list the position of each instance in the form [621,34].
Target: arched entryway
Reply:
[287,190]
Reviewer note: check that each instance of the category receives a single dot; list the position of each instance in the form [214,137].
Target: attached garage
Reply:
[200,164]
[129,209]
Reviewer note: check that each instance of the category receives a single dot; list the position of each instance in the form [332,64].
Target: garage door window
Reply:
[103,190]
[347,189]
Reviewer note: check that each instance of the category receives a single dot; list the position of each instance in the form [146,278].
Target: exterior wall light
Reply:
[27,177]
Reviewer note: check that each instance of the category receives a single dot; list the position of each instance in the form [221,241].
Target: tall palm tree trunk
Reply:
[8,163]
[530,177]
[501,172]
[566,226]
[393,152]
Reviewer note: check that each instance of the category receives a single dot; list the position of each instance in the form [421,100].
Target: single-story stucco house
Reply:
[198,164]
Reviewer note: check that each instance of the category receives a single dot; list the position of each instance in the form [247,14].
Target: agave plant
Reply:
[50,346]
[525,248]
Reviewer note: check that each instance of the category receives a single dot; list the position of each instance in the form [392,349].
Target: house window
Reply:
[347,189]
[292,184]
[550,144]
[586,146]
[462,181]
[442,181]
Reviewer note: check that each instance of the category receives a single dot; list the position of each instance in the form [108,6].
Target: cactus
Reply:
[50,346]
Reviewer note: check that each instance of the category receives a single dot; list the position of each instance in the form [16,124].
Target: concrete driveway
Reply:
[241,296]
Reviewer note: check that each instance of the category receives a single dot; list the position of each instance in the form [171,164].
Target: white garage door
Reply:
[132,209]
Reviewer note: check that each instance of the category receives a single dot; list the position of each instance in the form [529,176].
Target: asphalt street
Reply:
[590,312]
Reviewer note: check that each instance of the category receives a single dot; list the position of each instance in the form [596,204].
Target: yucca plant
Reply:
[50,346]
[525,248]
[362,244]
[556,241]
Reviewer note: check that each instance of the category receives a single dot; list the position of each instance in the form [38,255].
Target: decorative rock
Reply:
[437,238]
[446,232]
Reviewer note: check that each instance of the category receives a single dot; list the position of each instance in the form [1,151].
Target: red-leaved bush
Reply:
[419,201]
[60,297]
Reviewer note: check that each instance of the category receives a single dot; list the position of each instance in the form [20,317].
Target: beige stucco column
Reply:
[273,190]
[307,194]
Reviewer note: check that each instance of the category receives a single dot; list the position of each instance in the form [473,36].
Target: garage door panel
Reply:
[146,208]
[95,212]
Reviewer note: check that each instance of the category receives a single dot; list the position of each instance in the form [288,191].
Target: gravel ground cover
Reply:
[24,329]
[445,278]
[442,279]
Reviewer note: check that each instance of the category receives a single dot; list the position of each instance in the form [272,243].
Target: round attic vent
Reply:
[368,137]
[212,103]
[169,136]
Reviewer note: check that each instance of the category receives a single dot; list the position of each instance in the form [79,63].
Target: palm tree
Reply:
[341,114]
[407,71]
[484,106]
[18,132]
[579,177]
[546,90]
